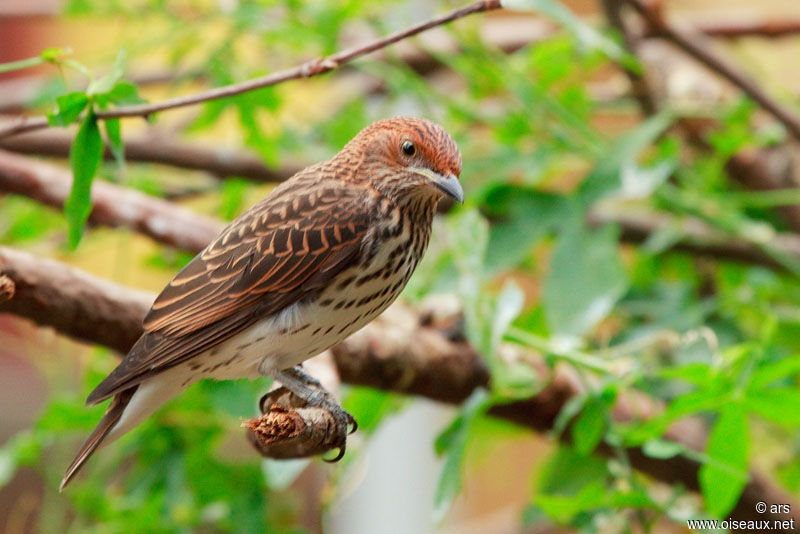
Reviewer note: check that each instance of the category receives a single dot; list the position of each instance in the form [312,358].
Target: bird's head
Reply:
[407,157]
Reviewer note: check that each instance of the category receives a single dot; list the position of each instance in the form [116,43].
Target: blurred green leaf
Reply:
[773,372]
[115,143]
[589,427]
[232,197]
[124,93]
[105,83]
[585,279]
[781,405]
[521,218]
[452,443]
[618,172]
[662,449]
[723,478]
[370,406]
[68,109]
[85,157]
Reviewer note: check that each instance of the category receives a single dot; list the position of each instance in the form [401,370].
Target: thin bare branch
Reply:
[308,69]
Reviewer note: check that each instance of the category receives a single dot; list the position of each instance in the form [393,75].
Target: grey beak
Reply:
[450,186]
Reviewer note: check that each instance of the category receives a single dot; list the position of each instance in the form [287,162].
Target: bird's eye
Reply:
[408,148]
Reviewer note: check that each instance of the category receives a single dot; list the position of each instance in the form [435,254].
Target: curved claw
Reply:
[353,422]
[338,456]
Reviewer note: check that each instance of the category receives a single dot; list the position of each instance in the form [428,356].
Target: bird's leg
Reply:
[309,389]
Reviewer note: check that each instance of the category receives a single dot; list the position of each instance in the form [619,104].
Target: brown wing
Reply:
[281,251]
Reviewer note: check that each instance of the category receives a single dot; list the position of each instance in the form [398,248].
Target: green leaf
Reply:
[566,472]
[522,217]
[779,405]
[370,406]
[617,172]
[589,427]
[662,449]
[54,55]
[698,373]
[84,158]
[105,83]
[586,279]
[507,306]
[724,476]
[452,442]
[232,197]
[115,143]
[563,509]
[124,93]
[775,371]
[68,109]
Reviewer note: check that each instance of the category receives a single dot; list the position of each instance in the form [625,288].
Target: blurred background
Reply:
[631,225]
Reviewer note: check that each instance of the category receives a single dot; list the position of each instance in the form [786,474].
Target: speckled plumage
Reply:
[322,255]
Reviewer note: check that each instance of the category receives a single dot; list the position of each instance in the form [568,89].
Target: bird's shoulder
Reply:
[283,246]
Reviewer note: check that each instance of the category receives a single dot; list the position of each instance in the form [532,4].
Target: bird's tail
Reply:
[109,420]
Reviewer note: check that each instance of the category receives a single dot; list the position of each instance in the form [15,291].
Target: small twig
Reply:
[699,47]
[308,69]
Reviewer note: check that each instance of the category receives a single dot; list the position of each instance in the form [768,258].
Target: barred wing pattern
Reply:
[283,250]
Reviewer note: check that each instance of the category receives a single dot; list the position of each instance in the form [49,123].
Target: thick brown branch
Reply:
[310,68]
[155,148]
[112,205]
[83,306]
[400,351]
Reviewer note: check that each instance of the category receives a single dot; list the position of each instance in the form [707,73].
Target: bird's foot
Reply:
[312,392]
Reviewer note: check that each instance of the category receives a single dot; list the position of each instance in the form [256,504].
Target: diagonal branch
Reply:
[699,47]
[306,70]
[400,351]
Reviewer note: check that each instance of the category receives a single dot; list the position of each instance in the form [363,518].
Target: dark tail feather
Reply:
[102,429]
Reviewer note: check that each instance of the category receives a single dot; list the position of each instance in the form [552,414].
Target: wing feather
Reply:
[279,252]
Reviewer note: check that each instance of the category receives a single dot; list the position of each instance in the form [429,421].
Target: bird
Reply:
[319,257]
